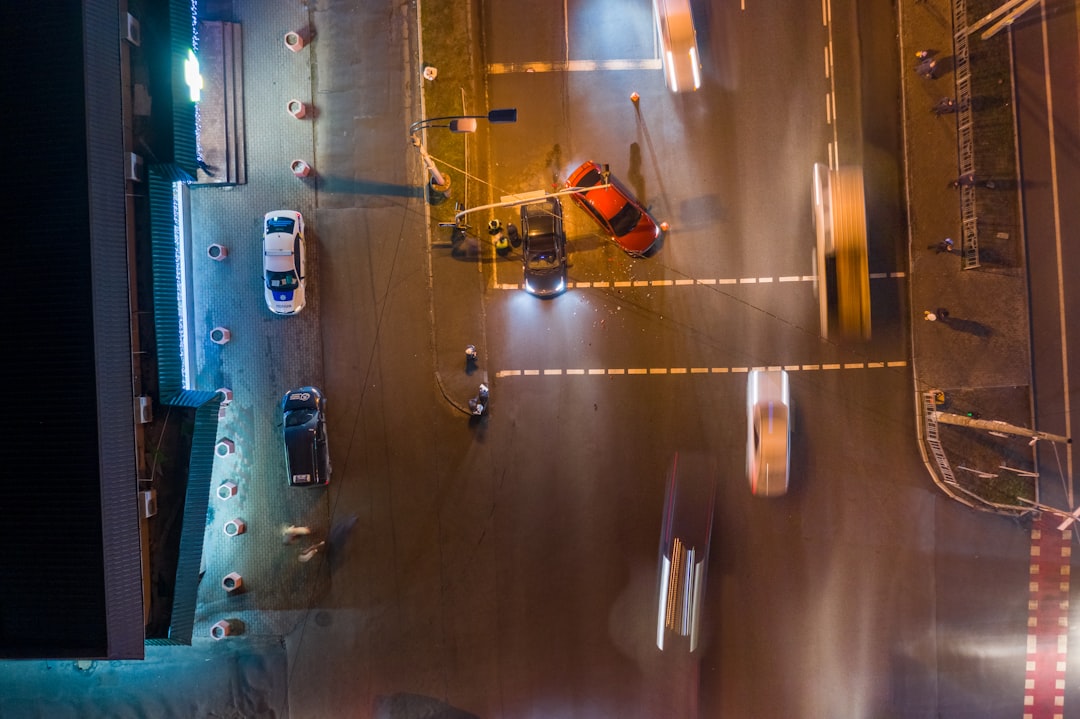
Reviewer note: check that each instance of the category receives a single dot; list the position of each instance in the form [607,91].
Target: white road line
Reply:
[689,282]
[505,68]
[641,371]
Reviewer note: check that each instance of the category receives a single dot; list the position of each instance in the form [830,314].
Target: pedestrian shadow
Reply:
[351,186]
[336,539]
[971,327]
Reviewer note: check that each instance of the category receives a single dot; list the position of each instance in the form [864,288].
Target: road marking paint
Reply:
[1048,618]
[506,68]
[687,282]
[595,371]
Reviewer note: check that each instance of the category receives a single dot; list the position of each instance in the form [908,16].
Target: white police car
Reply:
[284,261]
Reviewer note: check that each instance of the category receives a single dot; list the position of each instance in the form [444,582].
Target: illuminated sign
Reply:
[191,75]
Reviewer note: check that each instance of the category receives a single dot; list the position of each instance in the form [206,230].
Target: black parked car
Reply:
[307,456]
[543,247]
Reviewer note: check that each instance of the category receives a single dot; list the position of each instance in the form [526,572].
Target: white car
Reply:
[768,432]
[678,44]
[685,536]
[284,261]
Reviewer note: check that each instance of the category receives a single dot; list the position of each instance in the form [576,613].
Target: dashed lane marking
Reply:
[506,68]
[689,282]
[608,371]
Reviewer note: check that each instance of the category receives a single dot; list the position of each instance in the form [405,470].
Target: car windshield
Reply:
[280,224]
[590,178]
[625,219]
[541,254]
[282,280]
[299,417]
[543,260]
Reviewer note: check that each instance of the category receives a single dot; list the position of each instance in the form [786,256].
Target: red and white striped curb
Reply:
[1048,619]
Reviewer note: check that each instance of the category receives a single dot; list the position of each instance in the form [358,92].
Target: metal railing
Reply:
[969,227]
[932,439]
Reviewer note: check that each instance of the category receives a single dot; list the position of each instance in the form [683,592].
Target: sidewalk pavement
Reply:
[277,588]
[974,346]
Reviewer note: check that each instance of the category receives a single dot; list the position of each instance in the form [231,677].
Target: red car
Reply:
[615,208]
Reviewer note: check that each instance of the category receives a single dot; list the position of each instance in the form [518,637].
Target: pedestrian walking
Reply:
[944,105]
[290,533]
[965,180]
[470,353]
[307,554]
[927,68]
[929,316]
[945,245]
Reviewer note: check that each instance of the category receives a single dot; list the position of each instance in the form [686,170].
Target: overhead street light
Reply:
[455,123]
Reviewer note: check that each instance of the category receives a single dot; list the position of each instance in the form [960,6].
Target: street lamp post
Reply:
[440,183]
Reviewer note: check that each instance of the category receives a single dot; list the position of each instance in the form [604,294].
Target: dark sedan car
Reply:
[543,247]
[614,207]
[307,456]
[685,534]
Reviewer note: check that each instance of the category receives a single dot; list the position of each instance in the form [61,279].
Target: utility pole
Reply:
[996,425]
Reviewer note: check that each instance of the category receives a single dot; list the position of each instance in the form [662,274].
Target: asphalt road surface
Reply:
[509,568]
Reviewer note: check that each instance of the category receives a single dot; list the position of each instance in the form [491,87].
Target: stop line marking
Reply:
[610,371]
[606,284]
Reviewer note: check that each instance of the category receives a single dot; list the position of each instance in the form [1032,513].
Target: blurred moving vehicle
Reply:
[284,261]
[768,432]
[678,44]
[307,455]
[614,207]
[685,534]
[543,247]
